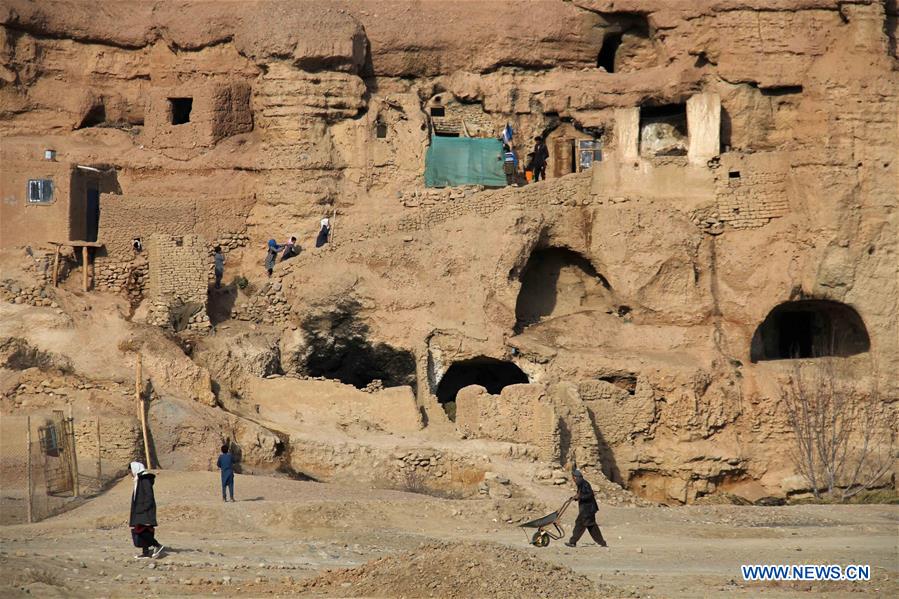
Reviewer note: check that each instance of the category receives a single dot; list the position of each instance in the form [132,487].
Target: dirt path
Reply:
[282,532]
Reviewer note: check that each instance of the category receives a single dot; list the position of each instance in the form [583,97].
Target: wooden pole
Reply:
[56,267]
[30,483]
[99,457]
[138,384]
[84,259]
[76,490]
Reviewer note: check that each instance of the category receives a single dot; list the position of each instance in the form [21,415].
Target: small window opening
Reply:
[438,111]
[180,110]
[381,130]
[40,191]
[733,175]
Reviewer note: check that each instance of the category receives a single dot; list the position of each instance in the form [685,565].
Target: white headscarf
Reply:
[136,470]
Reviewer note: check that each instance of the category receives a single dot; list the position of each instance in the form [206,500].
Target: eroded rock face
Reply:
[748,167]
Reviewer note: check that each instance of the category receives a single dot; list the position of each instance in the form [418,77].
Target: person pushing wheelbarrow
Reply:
[587,508]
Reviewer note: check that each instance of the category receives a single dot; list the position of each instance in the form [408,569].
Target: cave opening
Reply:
[626,44]
[338,346]
[557,281]
[492,374]
[94,117]
[809,329]
[606,57]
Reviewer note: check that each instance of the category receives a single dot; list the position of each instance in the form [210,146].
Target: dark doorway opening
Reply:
[606,57]
[809,329]
[556,281]
[92,215]
[179,110]
[490,373]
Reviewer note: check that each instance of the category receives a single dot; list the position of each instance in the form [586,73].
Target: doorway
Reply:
[92,215]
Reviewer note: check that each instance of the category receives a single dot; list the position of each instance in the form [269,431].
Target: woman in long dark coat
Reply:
[143,512]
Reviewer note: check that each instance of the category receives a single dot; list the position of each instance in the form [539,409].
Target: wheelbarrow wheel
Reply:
[540,539]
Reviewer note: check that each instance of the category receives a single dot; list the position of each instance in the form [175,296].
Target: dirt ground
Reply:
[285,537]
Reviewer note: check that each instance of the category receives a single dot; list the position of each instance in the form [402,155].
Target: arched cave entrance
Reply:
[490,373]
[809,329]
[555,282]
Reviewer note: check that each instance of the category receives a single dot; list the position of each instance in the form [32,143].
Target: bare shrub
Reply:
[843,437]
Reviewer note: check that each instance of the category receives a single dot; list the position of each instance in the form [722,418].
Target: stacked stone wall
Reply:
[178,279]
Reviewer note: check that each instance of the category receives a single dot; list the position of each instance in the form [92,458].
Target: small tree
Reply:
[843,435]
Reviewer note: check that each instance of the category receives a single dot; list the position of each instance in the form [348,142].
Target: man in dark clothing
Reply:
[226,465]
[143,512]
[586,512]
[541,155]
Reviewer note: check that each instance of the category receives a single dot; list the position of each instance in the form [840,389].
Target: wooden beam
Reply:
[141,406]
[56,267]
[84,259]
[28,454]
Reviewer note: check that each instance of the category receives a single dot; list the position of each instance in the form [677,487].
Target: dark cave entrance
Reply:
[809,329]
[555,281]
[626,44]
[490,373]
[95,116]
[606,57]
[339,348]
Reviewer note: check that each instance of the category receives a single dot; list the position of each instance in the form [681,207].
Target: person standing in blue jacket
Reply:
[226,465]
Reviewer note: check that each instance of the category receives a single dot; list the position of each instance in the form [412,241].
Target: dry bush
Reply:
[843,430]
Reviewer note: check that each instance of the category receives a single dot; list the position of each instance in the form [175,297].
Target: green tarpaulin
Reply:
[454,161]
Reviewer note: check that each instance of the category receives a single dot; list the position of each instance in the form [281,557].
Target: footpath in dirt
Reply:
[290,538]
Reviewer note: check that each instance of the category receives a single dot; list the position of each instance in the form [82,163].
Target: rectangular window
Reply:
[40,191]
[179,110]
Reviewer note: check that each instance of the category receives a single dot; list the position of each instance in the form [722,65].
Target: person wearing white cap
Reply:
[143,512]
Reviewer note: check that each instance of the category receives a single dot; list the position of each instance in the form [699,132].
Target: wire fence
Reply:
[49,462]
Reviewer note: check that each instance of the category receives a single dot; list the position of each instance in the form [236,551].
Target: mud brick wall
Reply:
[123,218]
[520,414]
[218,109]
[178,275]
[119,444]
[752,199]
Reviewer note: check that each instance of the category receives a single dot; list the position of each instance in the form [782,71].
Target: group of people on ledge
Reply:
[534,169]
[287,250]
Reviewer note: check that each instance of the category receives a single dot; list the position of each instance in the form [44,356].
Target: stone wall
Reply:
[178,281]
[750,190]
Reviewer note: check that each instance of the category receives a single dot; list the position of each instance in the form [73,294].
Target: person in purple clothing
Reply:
[226,465]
